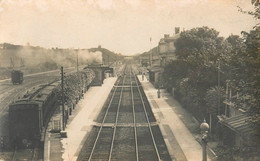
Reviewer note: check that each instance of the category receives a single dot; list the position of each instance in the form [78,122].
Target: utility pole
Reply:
[62,98]
[77,61]
[108,61]
[151,59]
[226,106]
[219,87]
[159,84]
[12,62]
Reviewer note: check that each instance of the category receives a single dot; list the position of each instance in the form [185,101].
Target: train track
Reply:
[149,124]
[25,154]
[12,92]
[126,128]
[135,131]
[101,126]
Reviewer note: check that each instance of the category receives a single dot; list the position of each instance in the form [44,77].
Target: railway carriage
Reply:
[29,115]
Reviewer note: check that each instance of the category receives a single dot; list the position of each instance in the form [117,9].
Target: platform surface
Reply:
[171,117]
[79,124]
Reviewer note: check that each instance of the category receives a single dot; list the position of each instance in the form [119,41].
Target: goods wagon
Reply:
[17,77]
[28,115]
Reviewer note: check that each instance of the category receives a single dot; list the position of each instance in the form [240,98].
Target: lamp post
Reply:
[204,127]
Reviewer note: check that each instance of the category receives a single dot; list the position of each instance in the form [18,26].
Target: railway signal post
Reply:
[62,98]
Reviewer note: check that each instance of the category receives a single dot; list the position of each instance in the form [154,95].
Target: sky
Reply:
[122,26]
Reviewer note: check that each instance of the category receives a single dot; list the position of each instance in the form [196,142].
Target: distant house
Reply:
[149,58]
[161,55]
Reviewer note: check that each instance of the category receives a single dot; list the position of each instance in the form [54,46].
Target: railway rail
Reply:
[101,126]
[126,128]
[10,93]
[149,124]
[134,121]
[25,154]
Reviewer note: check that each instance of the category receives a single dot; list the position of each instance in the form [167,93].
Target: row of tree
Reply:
[210,69]
[211,72]
[74,84]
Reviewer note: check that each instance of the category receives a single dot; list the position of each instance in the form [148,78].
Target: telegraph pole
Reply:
[151,59]
[77,61]
[108,61]
[62,98]
[219,87]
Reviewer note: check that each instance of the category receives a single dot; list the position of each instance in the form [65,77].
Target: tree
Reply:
[213,97]
[201,49]
[248,83]
[173,72]
[199,46]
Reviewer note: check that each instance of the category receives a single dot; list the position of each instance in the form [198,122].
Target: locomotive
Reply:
[28,115]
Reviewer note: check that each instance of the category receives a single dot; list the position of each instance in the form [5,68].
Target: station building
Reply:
[165,53]
[236,131]
[101,72]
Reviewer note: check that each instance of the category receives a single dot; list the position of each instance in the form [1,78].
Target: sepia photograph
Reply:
[129,80]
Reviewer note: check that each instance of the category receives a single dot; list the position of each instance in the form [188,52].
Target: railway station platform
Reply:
[78,126]
[174,123]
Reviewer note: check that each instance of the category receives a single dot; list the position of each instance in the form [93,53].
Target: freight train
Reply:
[29,115]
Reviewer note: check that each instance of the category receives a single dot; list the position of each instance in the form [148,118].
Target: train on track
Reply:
[29,115]
[17,77]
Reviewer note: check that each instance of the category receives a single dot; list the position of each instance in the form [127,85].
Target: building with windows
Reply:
[236,131]
[164,53]
[166,48]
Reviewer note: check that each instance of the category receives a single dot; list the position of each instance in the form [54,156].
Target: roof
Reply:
[169,39]
[155,69]
[37,94]
[239,124]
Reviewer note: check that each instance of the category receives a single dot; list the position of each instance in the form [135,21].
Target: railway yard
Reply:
[10,93]
[129,80]
[119,120]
